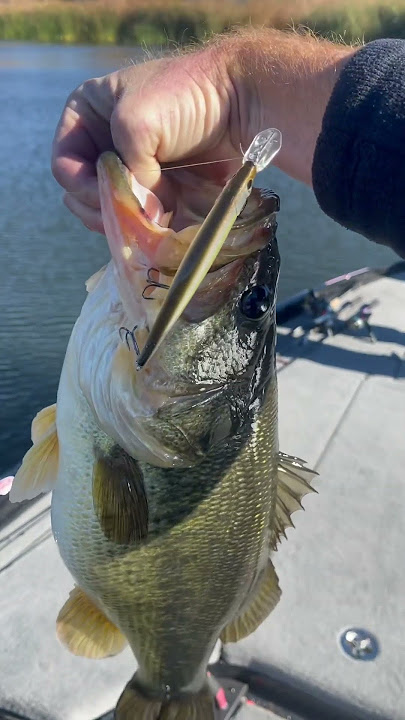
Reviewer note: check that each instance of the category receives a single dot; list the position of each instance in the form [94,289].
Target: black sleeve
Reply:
[359,163]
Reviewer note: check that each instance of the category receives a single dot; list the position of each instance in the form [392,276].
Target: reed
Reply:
[158,22]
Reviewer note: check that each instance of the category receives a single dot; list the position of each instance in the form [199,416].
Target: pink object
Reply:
[348,276]
[5,484]
[221,700]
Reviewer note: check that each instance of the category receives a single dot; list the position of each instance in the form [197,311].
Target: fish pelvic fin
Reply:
[43,421]
[39,469]
[133,703]
[84,629]
[119,497]
[261,601]
[294,481]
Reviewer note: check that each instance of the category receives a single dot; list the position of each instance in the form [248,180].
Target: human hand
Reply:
[197,107]
[170,111]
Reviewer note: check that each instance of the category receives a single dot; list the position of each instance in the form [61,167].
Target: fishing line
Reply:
[207,162]
[172,167]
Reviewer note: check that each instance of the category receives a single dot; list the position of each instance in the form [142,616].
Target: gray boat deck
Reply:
[342,408]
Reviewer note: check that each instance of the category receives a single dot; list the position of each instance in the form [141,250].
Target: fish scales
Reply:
[209,529]
[169,493]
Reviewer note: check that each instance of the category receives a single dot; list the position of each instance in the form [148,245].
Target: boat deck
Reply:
[342,409]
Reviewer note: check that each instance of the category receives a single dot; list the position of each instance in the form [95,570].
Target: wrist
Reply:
[284,80]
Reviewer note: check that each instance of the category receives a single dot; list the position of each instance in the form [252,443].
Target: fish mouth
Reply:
[144,225]
[143,245]
[146,253]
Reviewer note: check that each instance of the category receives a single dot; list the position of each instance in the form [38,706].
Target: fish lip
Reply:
[111,166]
[268,204]
[112,171]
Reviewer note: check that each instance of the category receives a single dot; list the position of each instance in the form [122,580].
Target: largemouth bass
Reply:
[169,492]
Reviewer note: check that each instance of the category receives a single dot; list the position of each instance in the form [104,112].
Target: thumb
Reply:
[137,134]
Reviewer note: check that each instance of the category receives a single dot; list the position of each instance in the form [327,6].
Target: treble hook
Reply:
[153,283]
[131,334]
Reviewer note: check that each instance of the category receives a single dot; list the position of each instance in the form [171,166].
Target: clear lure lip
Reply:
[211,237]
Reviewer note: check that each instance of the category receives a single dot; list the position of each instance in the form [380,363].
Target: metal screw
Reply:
[359,644]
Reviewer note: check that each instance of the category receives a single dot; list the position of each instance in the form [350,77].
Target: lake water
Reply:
[46,255]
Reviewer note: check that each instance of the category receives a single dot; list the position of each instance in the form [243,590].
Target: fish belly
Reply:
[173,593]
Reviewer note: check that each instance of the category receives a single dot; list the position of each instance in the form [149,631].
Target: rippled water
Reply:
[46,255]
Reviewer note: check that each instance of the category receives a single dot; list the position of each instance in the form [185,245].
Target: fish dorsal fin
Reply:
[294,481]
[94,279]
[85,630]
[261,601]
[119,497]
[39,469]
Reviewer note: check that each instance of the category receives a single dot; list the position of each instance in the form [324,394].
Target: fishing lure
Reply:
[211,237]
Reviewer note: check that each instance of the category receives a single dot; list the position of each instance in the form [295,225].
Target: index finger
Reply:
[83,132]
[74,152]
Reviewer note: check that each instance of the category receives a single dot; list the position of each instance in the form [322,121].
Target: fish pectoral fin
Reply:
[294,481]
[119,497]
[39,468]
[262,600]
[85,630]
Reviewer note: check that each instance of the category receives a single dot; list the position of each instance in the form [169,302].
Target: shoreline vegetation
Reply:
[162,22]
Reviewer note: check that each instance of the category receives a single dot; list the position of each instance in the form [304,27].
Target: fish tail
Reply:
[135,705]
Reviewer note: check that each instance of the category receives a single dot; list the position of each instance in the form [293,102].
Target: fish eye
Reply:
[255,302]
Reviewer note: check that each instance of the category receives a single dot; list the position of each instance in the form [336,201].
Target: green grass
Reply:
[104,27]
[94,23]
[353,22]
[60,27]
